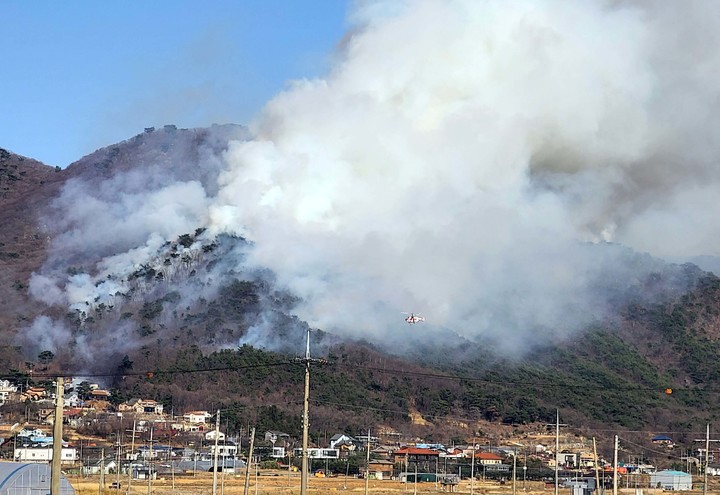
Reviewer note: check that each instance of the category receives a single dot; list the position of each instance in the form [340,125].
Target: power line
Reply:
[353,367]
[644,448]
[150,373]
[542,385]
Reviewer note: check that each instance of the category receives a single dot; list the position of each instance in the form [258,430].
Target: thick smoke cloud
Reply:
[461,152]
[469,160]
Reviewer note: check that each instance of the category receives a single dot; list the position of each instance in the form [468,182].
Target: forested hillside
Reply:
[184,320]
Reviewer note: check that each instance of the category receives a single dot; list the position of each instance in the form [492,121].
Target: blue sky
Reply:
[80,75]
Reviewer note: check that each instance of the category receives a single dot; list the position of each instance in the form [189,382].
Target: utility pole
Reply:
[415,485]
[101,486]
[132,449]
[707,456]
[615,466]
[367,464]
[55,469]
[557,450]
[215,453]
[597,470]
[117,466]
[306,421]
[472,469]
[306,415]
[249,462]
[514,470]
[150,460]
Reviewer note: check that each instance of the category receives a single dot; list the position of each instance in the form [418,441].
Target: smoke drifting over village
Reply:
[481,163]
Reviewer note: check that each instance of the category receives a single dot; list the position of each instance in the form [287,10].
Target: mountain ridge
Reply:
[193,303]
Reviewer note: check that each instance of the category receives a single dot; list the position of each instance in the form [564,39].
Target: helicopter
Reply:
[413,318]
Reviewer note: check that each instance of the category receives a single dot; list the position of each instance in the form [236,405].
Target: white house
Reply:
[342,439]
[6,389]
[196,417]
[43,454]
[210,435]
[224,450]
[318,453]
[72,400]
[108,466]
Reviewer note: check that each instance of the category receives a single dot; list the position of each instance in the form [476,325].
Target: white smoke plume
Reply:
[460,152]
[458,161]
[45,334]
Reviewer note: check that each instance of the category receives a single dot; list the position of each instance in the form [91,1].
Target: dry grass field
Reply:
[278,483]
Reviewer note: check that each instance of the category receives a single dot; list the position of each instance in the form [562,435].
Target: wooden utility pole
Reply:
[306,415]
[306,421]
[118,461]
[707,456]
[132,449]
[367,464]
[101,485]
[215,453]
[55,469]
[514,470]
[249,462]
[150,460]
[472,469]
[615,466]
[557,450]
[597,470]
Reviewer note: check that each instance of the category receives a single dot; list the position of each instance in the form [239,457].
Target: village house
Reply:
[210,436]
[45,411]
[453,453]
[27,453]
[100,394]
[567,459]
[664,440]
[33,393]
[345,444]
[275,436]
[713,469]
[383,452]
[225,449]
[97,405]
[587,460]
[342,438]
[106,465]
[141,406]
[72,416]
[7,390]
[381,470]
[189,427]
[414,457]
[487,458]
[196,417]
[72,400]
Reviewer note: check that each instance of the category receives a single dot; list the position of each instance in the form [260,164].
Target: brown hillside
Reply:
[26,187]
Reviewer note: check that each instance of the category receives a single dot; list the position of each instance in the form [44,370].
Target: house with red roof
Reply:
[488,458]
[72,416]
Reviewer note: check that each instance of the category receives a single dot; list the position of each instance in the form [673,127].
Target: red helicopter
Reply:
[413,318]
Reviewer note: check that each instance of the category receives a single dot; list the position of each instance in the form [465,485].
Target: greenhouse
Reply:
[18,478]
